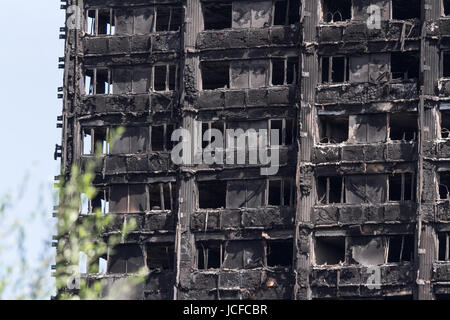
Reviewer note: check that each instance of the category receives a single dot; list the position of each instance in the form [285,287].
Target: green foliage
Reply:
[20,279]
[92,234]
[86,233]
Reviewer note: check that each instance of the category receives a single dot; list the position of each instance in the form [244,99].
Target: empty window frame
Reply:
[100,203]
[334,69]
[95,141]
[160,256]
[244,254]
[405,9]
[215,75]
[285,71]
[405,65]
[212,194]
[210,255]
[168,18]
[286,12]
[217,16]
[443,246]
[165,77]
[161,137]
[445,124]
[236,194]
[329,250]
[333,129]
[369,250]
[336,10]
[100,22]
[403,126]
[128,198]
[279,253]
[445,64]
[446,7]
[402,187]
[444,185]
[125,258]
[286,131]
[161,196]
[330,189]
[97,81]
[400,248]
[208,132]
[281,192]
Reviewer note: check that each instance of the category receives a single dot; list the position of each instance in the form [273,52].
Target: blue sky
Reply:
[29,78]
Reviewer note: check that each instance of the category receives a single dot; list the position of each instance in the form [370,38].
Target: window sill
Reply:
[251,28]
[337,23]
[347,143]
[402,20]
[344,265]
[267,87]
[92,36]
[157,212]
[334,84]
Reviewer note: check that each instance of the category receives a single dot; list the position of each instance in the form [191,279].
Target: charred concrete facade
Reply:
[359,90]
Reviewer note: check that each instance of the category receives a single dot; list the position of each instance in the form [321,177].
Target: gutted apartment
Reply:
[358,90]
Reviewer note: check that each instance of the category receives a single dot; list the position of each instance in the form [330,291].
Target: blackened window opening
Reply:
[98,81]
[215,74]
[405,65]
[168,18]
[286,12]
[160,256]
[336,10]
[334,69]
[403,126]
[405,9]
[212,194]
[279,253]
[217,16]
[329,250]
[330,189]
[446,4]
[445,124]
[209,255]
[401,248]
[444,185]
[443,246]
[446,64]
[100,22]
[333,129]
[402,187]
[285,71]
[125,258]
